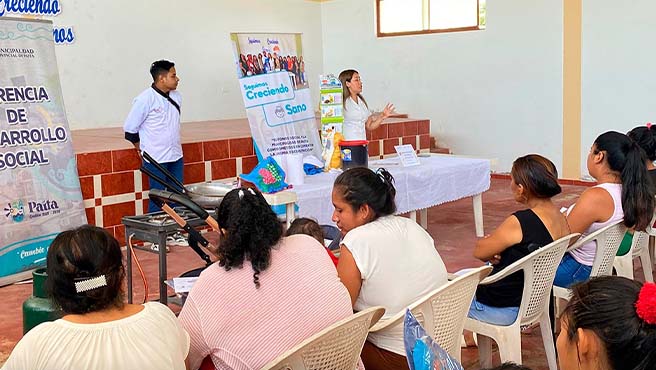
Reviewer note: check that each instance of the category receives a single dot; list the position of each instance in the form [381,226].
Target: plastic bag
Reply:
[267,176]
[422,352]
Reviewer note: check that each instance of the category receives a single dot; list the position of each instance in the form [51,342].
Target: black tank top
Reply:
[507,292]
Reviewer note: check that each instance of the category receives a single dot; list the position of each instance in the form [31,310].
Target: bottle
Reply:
[38,307]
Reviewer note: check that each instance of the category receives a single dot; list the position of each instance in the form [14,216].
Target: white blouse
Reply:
[150,339]
[355,117]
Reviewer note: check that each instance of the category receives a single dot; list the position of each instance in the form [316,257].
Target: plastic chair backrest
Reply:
[442,312]
[539,271]
[641,238]
[336,347]
[608,240]
[445,309]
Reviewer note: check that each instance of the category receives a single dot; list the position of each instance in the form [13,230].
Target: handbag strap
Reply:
[165,95]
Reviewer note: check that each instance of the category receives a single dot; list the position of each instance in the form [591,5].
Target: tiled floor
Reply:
[451,225]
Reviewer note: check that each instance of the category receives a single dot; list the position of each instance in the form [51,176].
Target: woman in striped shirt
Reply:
[265,295]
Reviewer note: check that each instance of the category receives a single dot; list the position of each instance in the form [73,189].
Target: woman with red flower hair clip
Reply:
[609,324]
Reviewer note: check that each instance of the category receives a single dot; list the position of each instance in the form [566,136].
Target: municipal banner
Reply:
[38,175]
[275,89]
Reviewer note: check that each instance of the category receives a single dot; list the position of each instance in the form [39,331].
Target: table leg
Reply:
[413,216]
[128,262]
[423,213]
[163,297]
[290,213]
[478,214]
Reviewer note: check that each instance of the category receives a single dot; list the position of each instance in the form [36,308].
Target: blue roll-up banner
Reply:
[38,175]
[276,94]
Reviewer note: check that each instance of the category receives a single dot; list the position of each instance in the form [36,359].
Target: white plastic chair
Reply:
[608,240]
[539,270]
[639,249]
[442,312]
[336,347]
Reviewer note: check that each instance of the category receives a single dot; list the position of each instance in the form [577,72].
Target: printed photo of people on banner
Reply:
[273,53]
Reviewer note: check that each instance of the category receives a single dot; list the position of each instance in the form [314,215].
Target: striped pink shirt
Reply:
[242,327]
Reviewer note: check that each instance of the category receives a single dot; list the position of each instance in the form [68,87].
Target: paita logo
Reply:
[15,211]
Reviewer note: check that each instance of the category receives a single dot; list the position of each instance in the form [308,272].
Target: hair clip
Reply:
[89,284]
[649,125]
[646,303]
[250,190]
[241,194]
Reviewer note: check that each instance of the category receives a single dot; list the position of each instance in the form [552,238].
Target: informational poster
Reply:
[40,193]
[276,93]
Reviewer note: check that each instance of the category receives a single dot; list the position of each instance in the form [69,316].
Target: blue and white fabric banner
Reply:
[38,175]
[276,94]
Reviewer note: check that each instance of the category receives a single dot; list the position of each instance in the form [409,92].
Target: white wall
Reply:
[495,93]
[618,57]
[117,40]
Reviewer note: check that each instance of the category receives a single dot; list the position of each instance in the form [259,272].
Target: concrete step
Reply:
[435,149]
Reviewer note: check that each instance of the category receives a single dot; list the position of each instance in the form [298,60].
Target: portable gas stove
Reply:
[154,228]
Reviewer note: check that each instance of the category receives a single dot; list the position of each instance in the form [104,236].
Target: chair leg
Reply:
[484,351]
[624,266]
[547,339]
[559,304]
[645,260]
[510,349]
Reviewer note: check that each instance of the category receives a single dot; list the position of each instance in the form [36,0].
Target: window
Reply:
[411,17]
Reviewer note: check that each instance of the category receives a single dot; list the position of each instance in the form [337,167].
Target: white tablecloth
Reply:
[437,180]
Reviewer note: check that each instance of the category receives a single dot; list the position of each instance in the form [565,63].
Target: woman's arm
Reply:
[375,120]
[349,273]
[594,205]
[507,234]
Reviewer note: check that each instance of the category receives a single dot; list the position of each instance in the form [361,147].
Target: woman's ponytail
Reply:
[252,229]
[389,206]
[625,157]
[637,189]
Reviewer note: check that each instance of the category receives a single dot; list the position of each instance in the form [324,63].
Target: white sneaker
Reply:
[155,247]
[177,239]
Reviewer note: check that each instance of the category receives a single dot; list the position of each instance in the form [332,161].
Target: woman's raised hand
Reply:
[388,110]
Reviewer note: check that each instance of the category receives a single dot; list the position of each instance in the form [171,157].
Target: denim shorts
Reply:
[492,315]
[570,272]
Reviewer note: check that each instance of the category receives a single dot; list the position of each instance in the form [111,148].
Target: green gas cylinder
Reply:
[39,308]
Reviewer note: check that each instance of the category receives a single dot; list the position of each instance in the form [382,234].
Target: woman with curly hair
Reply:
[266,293]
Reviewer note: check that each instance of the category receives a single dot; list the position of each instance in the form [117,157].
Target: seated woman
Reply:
[644,137]
[385,260]
[265,294]
[609,324]
[98,331]
[624,190]
[534,181]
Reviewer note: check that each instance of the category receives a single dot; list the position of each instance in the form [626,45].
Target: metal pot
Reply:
[208,194]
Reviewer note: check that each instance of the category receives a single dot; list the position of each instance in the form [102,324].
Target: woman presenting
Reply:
[357,116]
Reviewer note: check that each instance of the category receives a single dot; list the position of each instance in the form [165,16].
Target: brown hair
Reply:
[306,226]
[79,254]
[344,77]
[537,175]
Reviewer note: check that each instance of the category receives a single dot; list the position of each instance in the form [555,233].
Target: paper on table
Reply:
[183,284]
[407,155]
